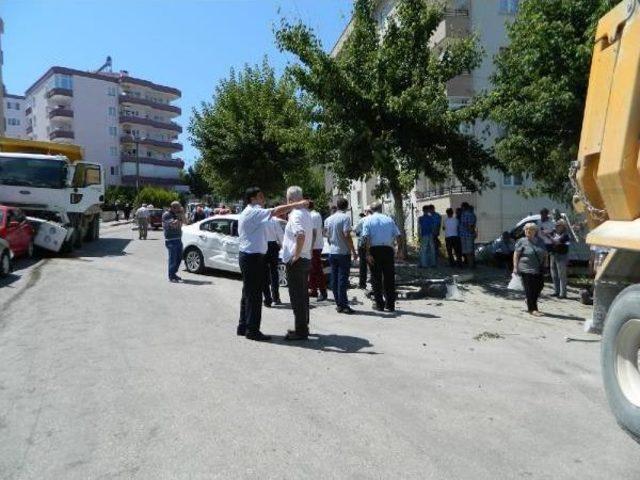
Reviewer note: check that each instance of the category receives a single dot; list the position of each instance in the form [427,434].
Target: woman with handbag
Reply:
[529,260]
[560,258]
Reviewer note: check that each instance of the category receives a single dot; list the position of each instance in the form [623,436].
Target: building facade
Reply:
[122,122]
[14,123]
[497,208]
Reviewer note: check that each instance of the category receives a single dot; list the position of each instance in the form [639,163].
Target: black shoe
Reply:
[390,309]
[294,336]
[174,280]
[277,302]
[348,310]
[267,304]
[241,331]
[322,297]
[258,337]
[339,309]
[177,278]
[377,308]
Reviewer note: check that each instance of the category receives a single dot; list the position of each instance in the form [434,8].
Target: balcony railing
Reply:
[29,129]
[28,111]
[459,11]
[161,162]
[131,180]
[55,134]
[174,146]
[124,98]
[442,191]
[63,92]
[174,127]
[61,112]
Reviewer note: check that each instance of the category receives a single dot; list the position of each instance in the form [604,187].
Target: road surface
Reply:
[107,370]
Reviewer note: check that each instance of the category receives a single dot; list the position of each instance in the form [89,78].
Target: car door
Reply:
[209,242]
[230,246]
[13,235]
[24,230]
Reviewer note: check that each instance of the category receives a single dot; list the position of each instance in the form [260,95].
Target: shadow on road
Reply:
[104,247]
[330,343]
[9,279]
[195,282]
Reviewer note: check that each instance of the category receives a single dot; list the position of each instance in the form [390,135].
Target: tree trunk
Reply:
[400,220]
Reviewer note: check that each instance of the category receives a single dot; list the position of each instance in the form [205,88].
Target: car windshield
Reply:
[33,172]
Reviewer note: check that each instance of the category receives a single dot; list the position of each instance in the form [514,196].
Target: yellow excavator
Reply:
[607,176]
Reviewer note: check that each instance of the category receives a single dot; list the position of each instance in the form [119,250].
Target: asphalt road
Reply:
[107,370]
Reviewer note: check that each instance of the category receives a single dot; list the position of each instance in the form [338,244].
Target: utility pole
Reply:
[136,140]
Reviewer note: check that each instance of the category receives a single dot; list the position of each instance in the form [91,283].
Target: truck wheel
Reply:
[194,260]
[619,358]
[5,264]
[93,231]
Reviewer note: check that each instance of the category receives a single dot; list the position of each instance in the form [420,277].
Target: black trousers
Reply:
[298,280]
[533,284]
[362,264]
[271,276]
[252,268]
[454,247]
[383,276]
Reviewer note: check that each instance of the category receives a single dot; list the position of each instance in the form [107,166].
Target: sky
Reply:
[187,44]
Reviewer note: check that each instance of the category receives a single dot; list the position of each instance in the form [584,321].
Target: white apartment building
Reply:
[14,119]
[497,208]
[125,123]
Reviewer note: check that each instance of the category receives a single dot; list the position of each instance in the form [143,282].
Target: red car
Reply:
[16,230]
[155,218]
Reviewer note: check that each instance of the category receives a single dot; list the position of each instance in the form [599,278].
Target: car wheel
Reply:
[5,264]
[619,359]
[193,260]
[282,275]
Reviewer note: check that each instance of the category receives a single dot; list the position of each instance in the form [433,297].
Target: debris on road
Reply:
[579,339]
[488,336]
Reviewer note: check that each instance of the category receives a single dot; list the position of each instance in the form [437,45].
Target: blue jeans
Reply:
[427,252]
[175,256]
[340,268]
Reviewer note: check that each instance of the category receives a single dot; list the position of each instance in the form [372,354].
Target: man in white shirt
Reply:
[547,228]
[452,239]
[317,280]
[252,231]
[275,236]
[296,255]
[142,216]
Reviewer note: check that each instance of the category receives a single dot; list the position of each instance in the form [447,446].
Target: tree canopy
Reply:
[195,177]
[382,101]
[255,131]
[540,89]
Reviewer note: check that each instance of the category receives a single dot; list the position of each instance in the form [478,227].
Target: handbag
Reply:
[515,284]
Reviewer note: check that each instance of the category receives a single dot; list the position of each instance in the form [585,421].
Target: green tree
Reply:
[255,131]
[119,193]
[156,196]
[540,88]
[195,178]
[382,103]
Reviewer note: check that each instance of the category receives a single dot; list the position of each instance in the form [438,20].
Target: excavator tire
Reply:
[620,358]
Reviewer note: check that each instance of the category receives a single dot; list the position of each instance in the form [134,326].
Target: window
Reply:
[514,180]
[63,81]
[17,106]
[221,226]
[113,151]
[112,111]
[8,105]
[113,131]
[111,91]
[13,121]
[87,174]
[509,7]
[113,171]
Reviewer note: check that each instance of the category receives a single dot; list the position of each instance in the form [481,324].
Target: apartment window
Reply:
[63,81]
[113,131]
[8,105]
[112,111]
[149,154]
[113,151]
[12,121]
[17,106]
[111,91]
[512,180]
[509,7]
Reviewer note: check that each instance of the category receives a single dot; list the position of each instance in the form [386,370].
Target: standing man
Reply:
[337,229]
[437,225]
[317,281]
[272,276]
[252,226]
[362,253]
[381,234]
[547,229]
[142,216]
[468,233]
[296,255]
[172,225]
[425,232]
[452,239]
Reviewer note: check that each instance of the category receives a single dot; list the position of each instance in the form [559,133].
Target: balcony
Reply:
[174,162]
[126,80]
[28,111]
[60,113]
[61,134]
[29,130]
[131,99]
[172,126]
[173,146]
[443,192]
[59,94]
[163,182]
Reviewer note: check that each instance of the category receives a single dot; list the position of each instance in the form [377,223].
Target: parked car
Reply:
[214,243]
[6,258]
[17,231]
[155,218]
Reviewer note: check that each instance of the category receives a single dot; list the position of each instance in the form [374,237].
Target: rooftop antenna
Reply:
[106,66]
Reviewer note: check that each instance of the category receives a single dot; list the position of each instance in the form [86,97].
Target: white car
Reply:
[6,258]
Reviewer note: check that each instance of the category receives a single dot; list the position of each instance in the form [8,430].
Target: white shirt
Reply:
[316,220]
[451,227]
[252,229]
[142,212]
[299,223]
[547,229]
[274,231]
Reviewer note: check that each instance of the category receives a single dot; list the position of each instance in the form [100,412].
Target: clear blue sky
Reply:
[186,44]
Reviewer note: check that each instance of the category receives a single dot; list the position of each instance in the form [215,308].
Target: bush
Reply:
[156,196]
